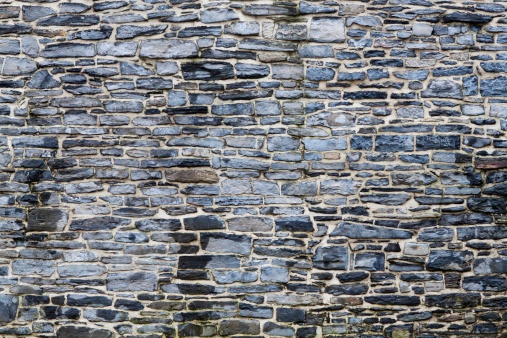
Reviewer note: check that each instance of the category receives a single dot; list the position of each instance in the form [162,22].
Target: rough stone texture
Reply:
[191,168]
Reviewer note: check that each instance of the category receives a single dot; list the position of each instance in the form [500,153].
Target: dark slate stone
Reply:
[331,258]
[70,20]
[487,205]
[203,223]
[347,289]
[200,31]
[448,260]
[364,95]
[103,6]
[393,300]
[470,18]
[208,262]
[47,219]
[294,223]
[485,283]
[83,332]
[130,31]
[386,199]
[98,223]
[209,71]
[370,261]
[438,142]
[86,300]
[394,143]
[352,276]
[128,304]
[290,315]
[454,300]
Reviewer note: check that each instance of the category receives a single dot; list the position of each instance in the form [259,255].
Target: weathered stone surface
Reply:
[490,265]
[448,260]
[355,230]
[9,308]
[207,71]
[203,223]
[83,331]
[331,258]
[454,300]
[131,281]
[46,219]
[327,29]
[167,49]
[443,89]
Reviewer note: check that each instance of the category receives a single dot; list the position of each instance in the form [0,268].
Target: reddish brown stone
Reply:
[491,163]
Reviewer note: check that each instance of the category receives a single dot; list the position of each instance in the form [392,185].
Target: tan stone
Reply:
[192,176]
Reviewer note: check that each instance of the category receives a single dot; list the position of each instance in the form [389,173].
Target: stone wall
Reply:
[177,168]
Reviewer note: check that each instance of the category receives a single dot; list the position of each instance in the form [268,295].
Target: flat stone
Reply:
[355,230]
[448,260]
[8,308]
[218,15]
[167,49]
[131,281]
[83,332]
[47,219]
[443,89]
[331,258]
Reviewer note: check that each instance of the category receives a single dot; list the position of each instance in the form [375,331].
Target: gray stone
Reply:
[443,89]
[366,20]
[243,28]
[341,187]
[9,46]
[8,308]
[233,276]
[167,49]
[26,267]
[131,281]
[80,270]
[67,49]
[18,66]
[287,72]
[272,274]
[238,326]
[300,189]
[218,15]
[494,87]
[227,243]
[117,48]
[316,144]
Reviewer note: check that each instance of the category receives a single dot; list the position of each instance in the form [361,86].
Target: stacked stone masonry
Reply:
[191,168]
